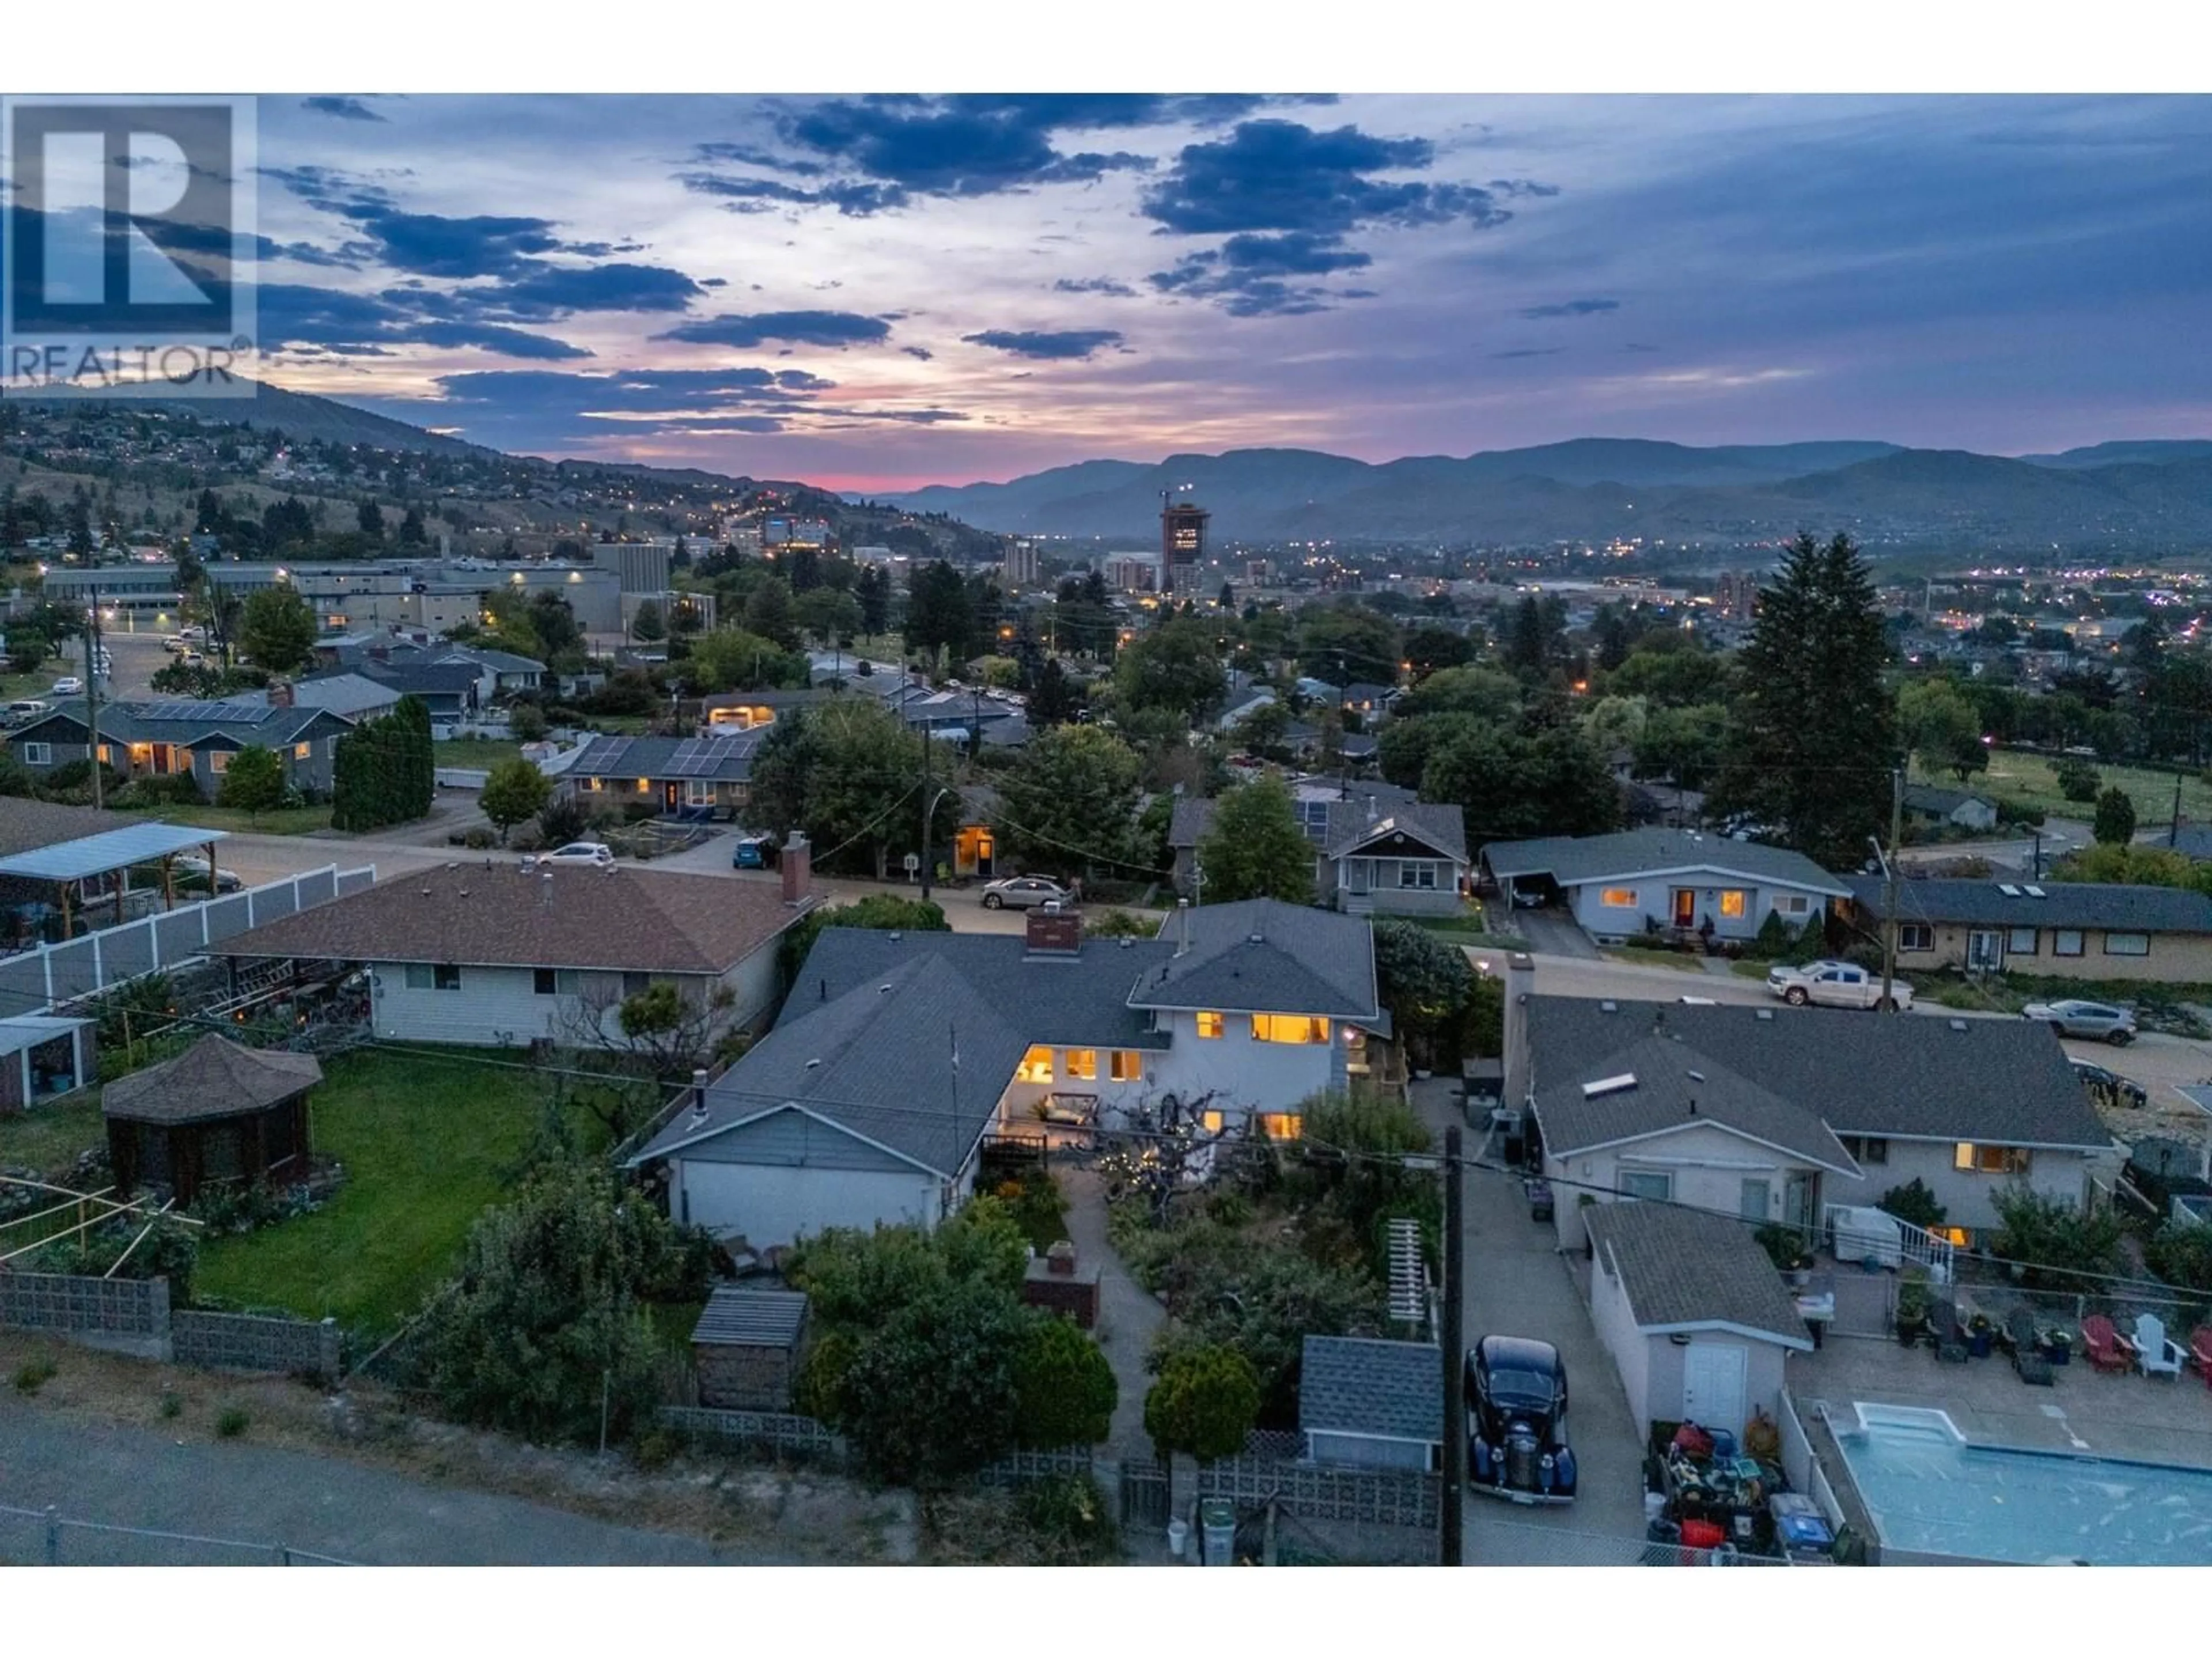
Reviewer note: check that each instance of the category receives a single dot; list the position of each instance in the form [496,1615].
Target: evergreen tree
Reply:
[1053,699]
[2115,824]
[1812,731]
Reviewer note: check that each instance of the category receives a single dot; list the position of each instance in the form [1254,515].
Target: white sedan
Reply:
[580,851]
[1835,985]
[69,687]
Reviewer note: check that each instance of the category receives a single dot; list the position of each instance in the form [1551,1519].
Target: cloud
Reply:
[1572,308]
[1250,274]
[825,328]
[1105,285]
[752,156]
[921,352]
[1528,351]
[367,325]
[1071,344]
[974,144]
[854,200]
[552,291]
[345,109]
[1280,175]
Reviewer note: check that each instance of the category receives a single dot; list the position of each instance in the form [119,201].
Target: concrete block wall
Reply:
[248,1342]
[69,1303]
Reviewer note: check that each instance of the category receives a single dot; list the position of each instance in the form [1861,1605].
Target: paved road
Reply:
[132,1477]
[1553,932]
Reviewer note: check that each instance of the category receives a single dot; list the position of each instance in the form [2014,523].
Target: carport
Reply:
[44,879]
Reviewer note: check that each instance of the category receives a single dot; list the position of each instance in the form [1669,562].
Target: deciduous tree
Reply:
[253,783]
[1073,794]
[1255,848]
[514,791]
[277,629]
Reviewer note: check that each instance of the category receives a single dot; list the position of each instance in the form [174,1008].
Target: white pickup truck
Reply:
[1834,985]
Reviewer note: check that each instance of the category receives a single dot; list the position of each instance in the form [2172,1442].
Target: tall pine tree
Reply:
[1812,730]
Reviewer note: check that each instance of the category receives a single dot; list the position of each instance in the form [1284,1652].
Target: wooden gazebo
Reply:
[215,1114]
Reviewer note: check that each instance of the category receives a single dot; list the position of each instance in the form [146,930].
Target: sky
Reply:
[876,293]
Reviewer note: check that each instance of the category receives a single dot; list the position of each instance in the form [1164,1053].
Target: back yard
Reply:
[429,1141]
[2029,781]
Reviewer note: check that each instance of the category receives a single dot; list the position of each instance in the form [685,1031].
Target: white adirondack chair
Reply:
[2159,1356]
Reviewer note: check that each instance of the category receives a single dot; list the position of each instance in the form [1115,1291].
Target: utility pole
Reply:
[1889,885]
[1450,1495]
[92,708]
[2174,835]
[928,802]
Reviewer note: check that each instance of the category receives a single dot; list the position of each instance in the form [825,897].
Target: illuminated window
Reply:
[104,760]
[1281,1126]
[1289,1027]
[645,785]
[1209,1024]
[302,751]
[1618,898]
[1081,1063]
[1036,1067]
[1990,1160]
[219,762]
[1735,901]
[1125,1066]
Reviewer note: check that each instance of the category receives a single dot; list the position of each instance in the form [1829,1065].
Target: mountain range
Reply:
[2135,495]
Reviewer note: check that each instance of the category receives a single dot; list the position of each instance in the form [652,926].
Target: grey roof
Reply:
[343,693]
[440,678]
[113,849]
[1441,826]
[1677,1087]
[1903,1075]
[1262,955]
[28,824]
[1190,822]
[915,1063]
[214,1079]
[1573,860]
[2191,841]
[2115,906]
[725,757]
[1363,1385]
[1682,1269]
[187,722]
[1077,1001]
[738,1317]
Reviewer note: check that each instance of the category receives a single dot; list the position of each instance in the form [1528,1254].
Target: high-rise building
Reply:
[1183,544]
[1021,566]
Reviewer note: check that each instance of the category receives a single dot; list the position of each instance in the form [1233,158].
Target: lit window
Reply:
[1735,901]
[104,758]
[1289,1027]
[302,751]
[1990,1160]
[1036,1067]
[1081,1063]
[1127,1066]
[1915,936]
[1281,1126]
[645,785]
[219,762]
[1209,1024]
[1211,1122]
[1618,898]
[2127,945]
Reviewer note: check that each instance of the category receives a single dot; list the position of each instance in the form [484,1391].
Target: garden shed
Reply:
[1371,1403]
[747,1348]
[217,1113]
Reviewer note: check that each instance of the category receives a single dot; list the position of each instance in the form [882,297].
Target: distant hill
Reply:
[303,415]
[2141,495]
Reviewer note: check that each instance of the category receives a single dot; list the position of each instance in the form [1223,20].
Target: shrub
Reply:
[528,722]
[2010,811]
[1913,1202]
[34,1374]
[171,1407]
[1068,1515]
[2065,1247]
[234,1422]
[1118,924]
[1205,1403]
[2180,1253]
[1064,1386]
[2077,780]
[561,821]
[478,839]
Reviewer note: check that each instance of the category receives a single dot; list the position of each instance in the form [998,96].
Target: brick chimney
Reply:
[280,694]
[795,859]
[1053,933]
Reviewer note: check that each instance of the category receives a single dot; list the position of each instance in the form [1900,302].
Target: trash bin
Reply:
[1217,1531]
[1178,1535]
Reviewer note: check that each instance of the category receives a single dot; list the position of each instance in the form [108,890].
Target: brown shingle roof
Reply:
[215,1077]
[26,824]
[500,916]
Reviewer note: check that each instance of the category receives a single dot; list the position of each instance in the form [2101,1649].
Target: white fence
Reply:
[1803,1467]
[32,980]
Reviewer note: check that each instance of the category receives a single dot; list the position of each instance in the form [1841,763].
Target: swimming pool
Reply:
[1931,1493]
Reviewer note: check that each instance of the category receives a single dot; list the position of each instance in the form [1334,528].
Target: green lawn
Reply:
[1681,961]
[2029,781]
[429,1141]
[482,753]
[288,821]
[48,1137]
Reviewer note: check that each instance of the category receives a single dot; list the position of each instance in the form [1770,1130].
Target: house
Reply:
[1638,880]
[1367,701]
[1694,1314]
[217,1114]
[2059,929]
[451,691]
[1372,1404]
[1952,809]
[503,953]
[741,711]
[1242,707]
[896,1052]
[678,777]
[1377,847]
[1776,1112]
[181,737]
[356,697]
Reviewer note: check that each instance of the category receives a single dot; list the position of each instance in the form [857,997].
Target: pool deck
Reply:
[2086,1411]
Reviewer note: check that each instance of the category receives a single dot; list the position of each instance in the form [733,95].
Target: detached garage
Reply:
[1693,1312]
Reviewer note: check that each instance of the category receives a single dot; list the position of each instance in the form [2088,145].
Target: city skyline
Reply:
[880,293]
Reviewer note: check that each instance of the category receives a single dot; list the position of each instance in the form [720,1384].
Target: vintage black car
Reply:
[1515,1390]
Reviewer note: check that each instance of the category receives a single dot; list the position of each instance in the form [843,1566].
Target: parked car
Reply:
[68,686]
[751,852]
[580,851]
[192,872]
[24,710]
[2076,1018]
[1024,892]
[2104,1084]
[174,644]
[1514,1389]
[1835,985]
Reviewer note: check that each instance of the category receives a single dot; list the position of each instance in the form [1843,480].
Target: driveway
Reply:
[1552,932]
[122,1476]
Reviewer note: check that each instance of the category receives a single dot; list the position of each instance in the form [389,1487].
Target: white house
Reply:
[1638,880]
[1693,1313]
[496,953]
[896,1052]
